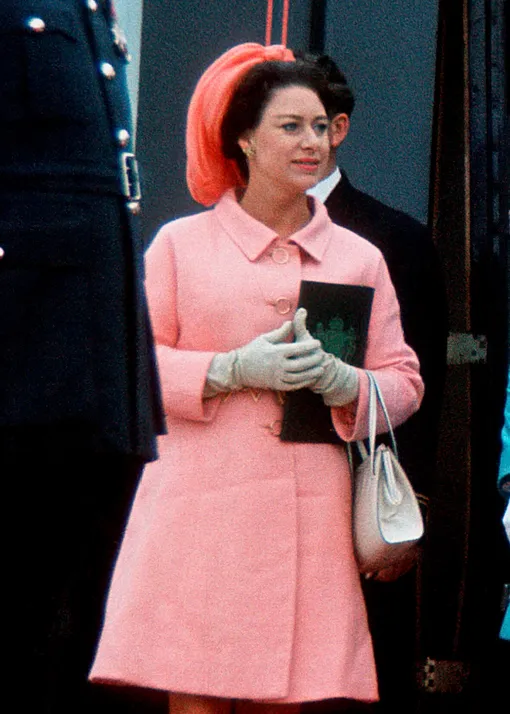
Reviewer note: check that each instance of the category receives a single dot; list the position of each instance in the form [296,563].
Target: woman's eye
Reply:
[321,129]
[290,126]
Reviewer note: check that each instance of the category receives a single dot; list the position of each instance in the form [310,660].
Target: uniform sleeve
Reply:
[182,372]
[393,363]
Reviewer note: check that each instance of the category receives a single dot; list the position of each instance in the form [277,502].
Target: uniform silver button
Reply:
[92,5]
[2,253]
[282,305]
[280,256]
[122,136]
[107,70]
[36,24]
[133,207]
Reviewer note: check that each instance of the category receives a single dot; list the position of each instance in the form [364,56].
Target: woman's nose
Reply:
[310,138]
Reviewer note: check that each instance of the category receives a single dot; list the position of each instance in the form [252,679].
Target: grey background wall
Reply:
[130,18]
[387,50]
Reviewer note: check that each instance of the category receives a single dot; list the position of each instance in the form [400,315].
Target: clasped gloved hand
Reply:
[339,382]
[268,362]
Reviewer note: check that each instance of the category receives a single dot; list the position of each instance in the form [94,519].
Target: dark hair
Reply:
[252,95]
[341,99]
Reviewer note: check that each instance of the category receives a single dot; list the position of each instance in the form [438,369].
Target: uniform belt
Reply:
[126,183]
[60,183]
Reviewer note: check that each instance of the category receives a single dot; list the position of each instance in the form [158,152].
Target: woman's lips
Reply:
[309,165]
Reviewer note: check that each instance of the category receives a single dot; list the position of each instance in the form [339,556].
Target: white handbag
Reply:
[387,519]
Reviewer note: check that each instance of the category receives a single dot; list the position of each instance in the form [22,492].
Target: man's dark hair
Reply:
[341,98]
[253,93]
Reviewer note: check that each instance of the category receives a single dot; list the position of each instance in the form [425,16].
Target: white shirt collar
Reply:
[322,189]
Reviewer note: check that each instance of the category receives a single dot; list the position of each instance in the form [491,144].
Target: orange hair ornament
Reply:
[208,173]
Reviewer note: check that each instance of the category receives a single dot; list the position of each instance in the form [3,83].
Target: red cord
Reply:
[269,21]
[285,21]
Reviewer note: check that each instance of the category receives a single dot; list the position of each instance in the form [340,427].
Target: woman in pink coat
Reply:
[236,578]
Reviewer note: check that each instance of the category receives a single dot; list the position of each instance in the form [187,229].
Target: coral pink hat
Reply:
[208,173]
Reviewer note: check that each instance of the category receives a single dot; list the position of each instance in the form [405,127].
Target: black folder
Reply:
[338,315]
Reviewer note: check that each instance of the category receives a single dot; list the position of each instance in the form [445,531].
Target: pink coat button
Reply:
[283,305]
[280,256]
[275,427]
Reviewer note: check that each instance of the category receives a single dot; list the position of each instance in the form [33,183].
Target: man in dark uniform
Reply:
[416,274]
[79,398]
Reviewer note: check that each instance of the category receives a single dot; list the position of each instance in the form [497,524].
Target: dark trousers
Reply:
[392,618]
[64,519]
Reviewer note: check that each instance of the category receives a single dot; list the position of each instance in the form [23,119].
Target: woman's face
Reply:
[290,144]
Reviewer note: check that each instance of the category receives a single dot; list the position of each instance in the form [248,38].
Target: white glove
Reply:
[268,362]
[339,382]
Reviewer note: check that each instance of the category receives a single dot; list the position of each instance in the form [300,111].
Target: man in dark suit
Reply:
[79,397]
[415,270]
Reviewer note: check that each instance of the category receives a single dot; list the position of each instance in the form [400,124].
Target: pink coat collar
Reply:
[253,237]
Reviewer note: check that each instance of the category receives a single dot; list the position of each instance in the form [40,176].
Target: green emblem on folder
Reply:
[337,338]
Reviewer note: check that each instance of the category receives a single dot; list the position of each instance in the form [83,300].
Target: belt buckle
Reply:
[129,177]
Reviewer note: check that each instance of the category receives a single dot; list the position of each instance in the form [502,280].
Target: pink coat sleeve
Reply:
[182,372]
[393,362]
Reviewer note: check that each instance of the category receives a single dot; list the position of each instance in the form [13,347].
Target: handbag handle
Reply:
[375,395]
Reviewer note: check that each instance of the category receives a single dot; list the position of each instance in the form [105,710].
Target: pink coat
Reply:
[236,577]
